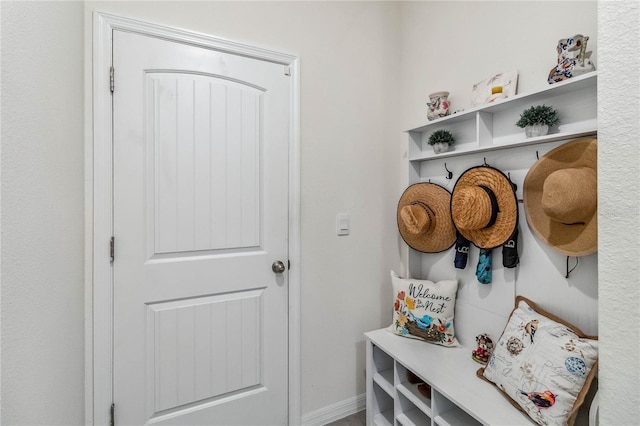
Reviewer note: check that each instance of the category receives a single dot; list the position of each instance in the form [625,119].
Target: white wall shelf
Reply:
[492,126]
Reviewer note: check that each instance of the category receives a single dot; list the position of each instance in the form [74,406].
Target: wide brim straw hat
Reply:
[484,207]
[560,197]
[424,218]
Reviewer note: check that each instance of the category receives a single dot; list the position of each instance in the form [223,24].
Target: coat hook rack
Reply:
[449,173]
[569,271]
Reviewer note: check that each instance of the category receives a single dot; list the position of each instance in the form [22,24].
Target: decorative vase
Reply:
[573,59]
[440,147]
[536,130]
[438,105]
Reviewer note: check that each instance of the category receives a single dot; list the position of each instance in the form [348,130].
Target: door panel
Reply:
[200,214]
[206,186]
[202,348]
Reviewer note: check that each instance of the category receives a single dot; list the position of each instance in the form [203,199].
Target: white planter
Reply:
[440,147]
[536,130]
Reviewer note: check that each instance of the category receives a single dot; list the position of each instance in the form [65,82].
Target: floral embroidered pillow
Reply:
[543,364]
[424,310]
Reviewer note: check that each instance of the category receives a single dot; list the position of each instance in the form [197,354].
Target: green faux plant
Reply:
[441,136]
[539,114]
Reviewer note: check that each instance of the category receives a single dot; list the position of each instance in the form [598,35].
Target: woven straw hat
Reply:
[484,208]
[424,219]
[560,198]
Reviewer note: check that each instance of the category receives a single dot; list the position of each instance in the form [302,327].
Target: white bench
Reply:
[458,396]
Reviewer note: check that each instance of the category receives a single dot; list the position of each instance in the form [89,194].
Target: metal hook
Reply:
[484,159]
[574,267]
[537,156]
[515,187]
[449,173]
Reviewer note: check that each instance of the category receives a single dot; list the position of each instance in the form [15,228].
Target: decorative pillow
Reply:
[424,310]
[543,364]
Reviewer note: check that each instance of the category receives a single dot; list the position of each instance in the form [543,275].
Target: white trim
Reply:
[295,276]
[336,411]
[101,213]
[99,390]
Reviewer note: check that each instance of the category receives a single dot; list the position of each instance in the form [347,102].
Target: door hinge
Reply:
[111,79]
[287,70]
[112,249]
[112,422]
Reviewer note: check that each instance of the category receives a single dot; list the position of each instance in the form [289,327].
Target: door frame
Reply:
[99,208]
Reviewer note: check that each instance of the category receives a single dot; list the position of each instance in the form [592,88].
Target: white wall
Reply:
[349,65]
[42,213]
[619,211]
[453,45]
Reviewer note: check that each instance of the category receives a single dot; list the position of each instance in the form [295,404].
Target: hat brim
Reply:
[443,234]
[574,239]
[507,216]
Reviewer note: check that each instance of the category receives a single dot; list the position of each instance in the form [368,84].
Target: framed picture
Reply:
[498,87]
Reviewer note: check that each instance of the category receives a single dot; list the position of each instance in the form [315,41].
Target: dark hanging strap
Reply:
[510,257]
[494,206]
[572,269]
[462,252]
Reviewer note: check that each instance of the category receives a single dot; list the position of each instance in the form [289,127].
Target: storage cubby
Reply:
[409,414]
[415,408]
[458,397]
[449,414]
[383,406]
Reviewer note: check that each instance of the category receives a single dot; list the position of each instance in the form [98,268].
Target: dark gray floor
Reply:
[357,419]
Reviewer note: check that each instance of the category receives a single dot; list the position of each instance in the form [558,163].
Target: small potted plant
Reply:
[537,120]
[440,140]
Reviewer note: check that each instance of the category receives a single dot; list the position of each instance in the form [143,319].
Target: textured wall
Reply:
[42,213]
[619,211]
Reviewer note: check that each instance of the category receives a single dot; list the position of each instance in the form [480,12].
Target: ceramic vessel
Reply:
[573,59]
[438,105]
[536,130]
[440,147]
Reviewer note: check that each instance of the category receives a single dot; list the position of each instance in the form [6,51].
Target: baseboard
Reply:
[336,411]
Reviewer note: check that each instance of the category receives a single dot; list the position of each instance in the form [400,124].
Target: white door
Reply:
[200,180]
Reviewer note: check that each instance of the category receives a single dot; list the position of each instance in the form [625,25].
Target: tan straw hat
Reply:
[560,197]
[484,208]
[424,219]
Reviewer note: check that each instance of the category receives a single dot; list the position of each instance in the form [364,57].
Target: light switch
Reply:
[342,224]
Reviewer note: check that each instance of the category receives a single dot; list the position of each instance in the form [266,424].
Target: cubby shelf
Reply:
[492,126]
[384,379]
[458,397]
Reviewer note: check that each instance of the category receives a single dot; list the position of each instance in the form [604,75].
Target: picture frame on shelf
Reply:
[500,86]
